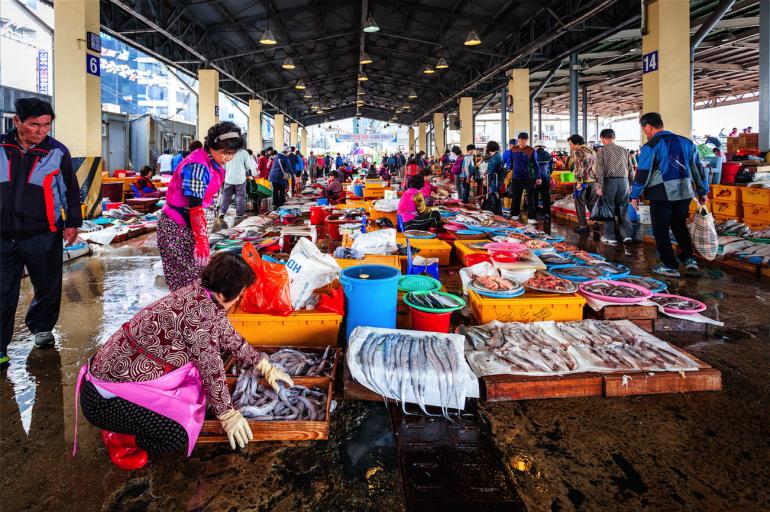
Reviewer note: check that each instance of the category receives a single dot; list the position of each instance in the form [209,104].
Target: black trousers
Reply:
[279,194]
[672,215]
[518,186]
[42,255]
[543,193]
[154,432]
[431,219]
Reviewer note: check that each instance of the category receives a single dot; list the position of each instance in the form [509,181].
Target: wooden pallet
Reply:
[642,316]
[519,387]
[728,263]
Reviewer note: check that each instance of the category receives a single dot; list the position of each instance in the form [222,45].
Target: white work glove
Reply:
[273,374]
[236,427]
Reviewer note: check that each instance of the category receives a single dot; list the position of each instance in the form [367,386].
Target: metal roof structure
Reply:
[325,41]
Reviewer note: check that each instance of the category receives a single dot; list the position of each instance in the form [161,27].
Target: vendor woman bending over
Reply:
[148,386]
[412,208]
[183,240]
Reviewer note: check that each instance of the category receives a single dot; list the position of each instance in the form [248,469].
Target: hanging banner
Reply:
[365,138]
[42,72]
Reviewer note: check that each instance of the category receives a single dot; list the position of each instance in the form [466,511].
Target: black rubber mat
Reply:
[446,466]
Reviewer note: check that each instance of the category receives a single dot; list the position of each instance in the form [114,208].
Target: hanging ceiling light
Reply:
[359,103]
[428,69]
[362,77]
[308,93]
[268,37]
[288,63]
[441,64]
[360,92]
[365,59]
[405,106]
[472,39]
[371,25]
[412,94]
[300,85]
[397,111]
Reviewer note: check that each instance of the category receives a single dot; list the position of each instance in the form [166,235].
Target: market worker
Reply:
[494,178]
[669,169]
[279,176]
[333,188]
[544,166]
[583,165]
[428,189]
[414,213]
[519,160]
[37,184]
[613,175]
[183,240]
[145,185]
[149,385]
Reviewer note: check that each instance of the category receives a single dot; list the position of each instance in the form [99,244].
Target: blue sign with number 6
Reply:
[650,62]
[92,64]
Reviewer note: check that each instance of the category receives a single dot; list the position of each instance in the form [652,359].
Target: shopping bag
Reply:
[703,233]
[602,211]
[309,269]
[419,265]
[270,293]
[334,302]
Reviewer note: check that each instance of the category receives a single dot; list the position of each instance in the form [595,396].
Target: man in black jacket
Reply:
[39,206]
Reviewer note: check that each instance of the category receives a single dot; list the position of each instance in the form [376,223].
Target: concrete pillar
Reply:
[77,95]
[208,100]
[411,140]
[503,122]
[585,111]
[465,109]
[293,132]
[518,89]
[573,93]
[255,125]
[278,129]
[303,141]
[438,131]
[764,76]
[540,119]
[666,87]
[422,137]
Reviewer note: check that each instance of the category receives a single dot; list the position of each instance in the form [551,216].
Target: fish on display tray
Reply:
[651,284]
[480,246]
[578,272]
[433,300]
[565,247]
[587,257]
[418,233]
[537,244]
[614,291]
[514,238]
[289,404]
[677,304]
[554,258]
[611,268]
[495,287]
[549,283]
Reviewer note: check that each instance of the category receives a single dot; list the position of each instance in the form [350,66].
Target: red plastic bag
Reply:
[333,303]
[270,292]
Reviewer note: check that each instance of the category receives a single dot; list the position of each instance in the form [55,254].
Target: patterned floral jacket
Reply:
[186,325]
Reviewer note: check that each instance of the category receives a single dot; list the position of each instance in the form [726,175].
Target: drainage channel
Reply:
[450,466]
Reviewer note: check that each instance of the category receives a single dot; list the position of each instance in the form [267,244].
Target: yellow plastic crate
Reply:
[758,196]
[463,249]
[726,193]
[372,259]
[757,212]
[429,248]
[757,225]
[300,329]
[727,208]
[530,307]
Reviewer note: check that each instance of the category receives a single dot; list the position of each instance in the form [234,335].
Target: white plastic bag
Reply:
[703,234]
[382,241]
[308,270]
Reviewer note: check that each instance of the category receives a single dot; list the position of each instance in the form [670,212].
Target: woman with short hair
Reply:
[149,385]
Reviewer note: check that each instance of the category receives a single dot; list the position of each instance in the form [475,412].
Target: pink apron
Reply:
[177,395]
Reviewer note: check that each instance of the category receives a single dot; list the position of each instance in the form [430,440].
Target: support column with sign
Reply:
[438,134]
[422,137]
[666,64]
[77,94]
[293,130]
[518,101]
[465,110]
[278,129]
[208,100]
[255,125]
[303,141]
[411,140]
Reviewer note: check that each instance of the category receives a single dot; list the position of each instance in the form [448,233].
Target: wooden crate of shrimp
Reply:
[297,414]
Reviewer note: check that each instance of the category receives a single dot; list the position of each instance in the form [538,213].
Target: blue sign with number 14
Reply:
[650,62]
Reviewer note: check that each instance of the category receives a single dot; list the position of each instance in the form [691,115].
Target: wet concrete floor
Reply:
[702,451]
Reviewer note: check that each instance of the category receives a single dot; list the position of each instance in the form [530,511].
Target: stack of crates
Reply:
[726,202]
[756,207]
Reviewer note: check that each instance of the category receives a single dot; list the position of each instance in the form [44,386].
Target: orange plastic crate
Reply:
[756,212]
[758,196]
[726,193]
[301,328]
[727,208]
[530,307]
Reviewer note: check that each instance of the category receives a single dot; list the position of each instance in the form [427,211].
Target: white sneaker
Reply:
[531,221]
[609,241]
[514,217]
[627,240]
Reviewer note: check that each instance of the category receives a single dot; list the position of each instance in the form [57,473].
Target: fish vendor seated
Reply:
[333,189]
[412,208]
[149,385]
[145,185]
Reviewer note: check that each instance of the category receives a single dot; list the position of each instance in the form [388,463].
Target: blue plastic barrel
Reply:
[371,296]
[358,190]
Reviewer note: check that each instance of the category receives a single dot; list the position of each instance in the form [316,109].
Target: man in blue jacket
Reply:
[279,173]
[37,184]
[519,160]
[543,166]
[338,161]
[669,168]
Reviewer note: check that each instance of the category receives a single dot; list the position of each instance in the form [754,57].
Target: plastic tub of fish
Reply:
[654,285]
[615,292]
[553,258]
[434,302]
[548,283]
[415,283]
[678,304]
[419,234]
[583,257]
[497,287]
[612,269]
[578,273]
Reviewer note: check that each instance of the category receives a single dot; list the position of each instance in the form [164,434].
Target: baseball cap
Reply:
[512,142]
[523,135]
